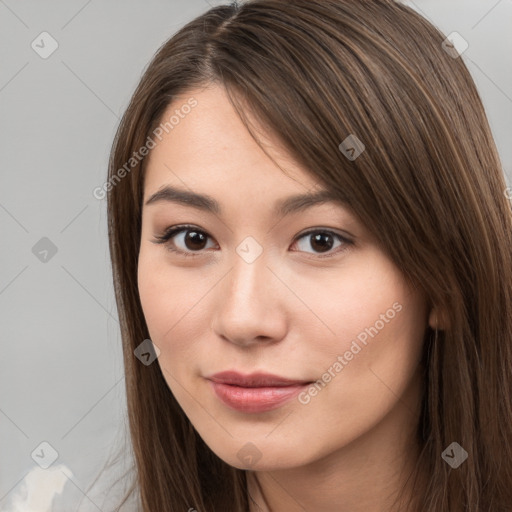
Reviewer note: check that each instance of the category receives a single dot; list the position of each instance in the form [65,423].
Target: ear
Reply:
[437,319]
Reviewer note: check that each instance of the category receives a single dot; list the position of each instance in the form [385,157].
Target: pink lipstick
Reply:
[256,392]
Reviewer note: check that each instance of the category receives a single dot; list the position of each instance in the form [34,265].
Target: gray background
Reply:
[61,378]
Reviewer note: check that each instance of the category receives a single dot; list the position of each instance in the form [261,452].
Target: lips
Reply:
[254,380]
[256,392]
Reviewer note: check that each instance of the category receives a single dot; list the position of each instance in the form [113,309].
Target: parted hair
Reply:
[429,185]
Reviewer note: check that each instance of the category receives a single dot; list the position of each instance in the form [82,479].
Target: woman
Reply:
[311,251]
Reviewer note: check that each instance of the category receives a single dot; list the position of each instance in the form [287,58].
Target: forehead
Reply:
[209,147]
[210,161]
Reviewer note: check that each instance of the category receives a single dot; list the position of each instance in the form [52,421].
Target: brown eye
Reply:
[194,240]
[190,241]
[185,240]
[322,241]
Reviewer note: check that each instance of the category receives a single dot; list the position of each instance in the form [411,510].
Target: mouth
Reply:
[256,392]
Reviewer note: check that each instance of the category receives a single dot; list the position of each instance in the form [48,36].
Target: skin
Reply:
[290,312]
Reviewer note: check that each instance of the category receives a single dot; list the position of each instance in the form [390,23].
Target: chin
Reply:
[261,456]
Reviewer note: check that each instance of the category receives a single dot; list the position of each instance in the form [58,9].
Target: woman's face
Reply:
[305,295]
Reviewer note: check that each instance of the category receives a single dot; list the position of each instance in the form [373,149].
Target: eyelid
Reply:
[347,243]
[175,230]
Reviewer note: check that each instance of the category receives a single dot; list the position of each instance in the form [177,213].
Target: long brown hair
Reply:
[429,185]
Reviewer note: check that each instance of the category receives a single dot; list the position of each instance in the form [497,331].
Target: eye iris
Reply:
[324,240]
[194,237]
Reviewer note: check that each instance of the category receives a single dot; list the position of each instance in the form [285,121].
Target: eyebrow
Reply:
[206,203]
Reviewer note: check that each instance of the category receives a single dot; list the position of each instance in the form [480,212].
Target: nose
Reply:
[249,305]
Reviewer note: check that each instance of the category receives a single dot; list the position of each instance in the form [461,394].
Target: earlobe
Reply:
[436,320]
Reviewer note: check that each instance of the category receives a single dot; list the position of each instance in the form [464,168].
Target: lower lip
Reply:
[255,399]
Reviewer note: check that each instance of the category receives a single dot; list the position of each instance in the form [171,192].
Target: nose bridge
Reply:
[248,284]
[248,306]
[249,275]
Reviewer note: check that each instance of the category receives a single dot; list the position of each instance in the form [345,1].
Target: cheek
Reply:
[153,296]
[173,310]
[368,364]
[373,326]
[380,360]
[162,293]
[362,303]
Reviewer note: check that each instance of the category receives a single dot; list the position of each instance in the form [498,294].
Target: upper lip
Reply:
[254,380]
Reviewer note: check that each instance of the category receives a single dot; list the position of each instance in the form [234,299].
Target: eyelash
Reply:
[174,230]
